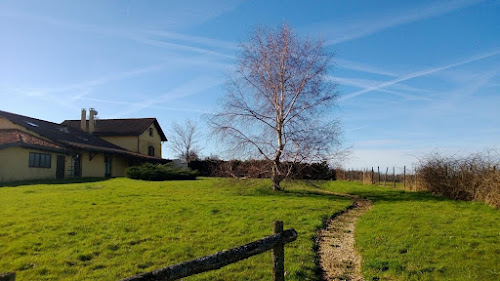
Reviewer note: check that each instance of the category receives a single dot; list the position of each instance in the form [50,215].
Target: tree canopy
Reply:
[280,100]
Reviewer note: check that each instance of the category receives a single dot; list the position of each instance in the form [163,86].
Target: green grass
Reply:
[107,230]
[417,236]
[51,181]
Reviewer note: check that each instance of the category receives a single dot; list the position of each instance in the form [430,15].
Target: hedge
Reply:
[152,172]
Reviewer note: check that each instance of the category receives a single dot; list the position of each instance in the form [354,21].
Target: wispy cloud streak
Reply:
[347,64]
[190,88]
[400,89]
[419,74]
[96,82]
[189,43]
[193,39]
[358,28]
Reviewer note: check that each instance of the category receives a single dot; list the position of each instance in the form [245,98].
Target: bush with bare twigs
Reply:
[473,177]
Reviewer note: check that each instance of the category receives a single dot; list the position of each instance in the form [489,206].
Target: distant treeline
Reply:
[260,169]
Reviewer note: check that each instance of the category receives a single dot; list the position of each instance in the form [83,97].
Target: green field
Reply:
[117,228]
[107,230]
[417,236]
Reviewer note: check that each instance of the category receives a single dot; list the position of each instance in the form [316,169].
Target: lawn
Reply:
[108,230]
[417,236]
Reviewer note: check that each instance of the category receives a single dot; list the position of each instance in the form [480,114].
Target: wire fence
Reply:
[406,177]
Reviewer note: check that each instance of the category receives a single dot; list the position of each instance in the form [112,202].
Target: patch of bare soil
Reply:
[339,260]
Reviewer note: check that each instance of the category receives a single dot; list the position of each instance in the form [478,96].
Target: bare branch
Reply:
[184,140]
[278,102]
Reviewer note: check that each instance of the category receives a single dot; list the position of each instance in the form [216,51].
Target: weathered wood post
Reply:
[394,175]
[404,177]
[8,276]
[386,171]
[378,173]
[416,178]
[278,255]
[226,257]
[373,178]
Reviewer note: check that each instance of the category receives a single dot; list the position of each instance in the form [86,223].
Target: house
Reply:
[31,148]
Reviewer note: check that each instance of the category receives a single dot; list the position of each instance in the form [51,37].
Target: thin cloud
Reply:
[347,64]
[133,103]
[96,82]
[358,28]
[461,95]
[140,36]
[419,74]
[190,88]
[193,39]
[170,45]
[400,90]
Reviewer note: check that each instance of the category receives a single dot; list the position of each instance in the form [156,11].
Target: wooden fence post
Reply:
[221,259]
[394,175]
[404,177]
[8,276]
[385,180]
[278,255]
[416,178]
[373,179]
[378,172]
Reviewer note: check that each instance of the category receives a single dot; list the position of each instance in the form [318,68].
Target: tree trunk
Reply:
[276,178]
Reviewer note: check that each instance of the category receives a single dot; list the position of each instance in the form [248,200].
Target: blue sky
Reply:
[414,76]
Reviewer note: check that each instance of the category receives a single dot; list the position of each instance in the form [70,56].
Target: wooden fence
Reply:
[407,177]
[8,276]
[275,242]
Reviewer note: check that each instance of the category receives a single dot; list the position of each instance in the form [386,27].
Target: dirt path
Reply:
[338,258]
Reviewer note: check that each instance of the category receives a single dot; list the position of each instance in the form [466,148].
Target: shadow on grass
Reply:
[377,196]
[375,193]
[51,181]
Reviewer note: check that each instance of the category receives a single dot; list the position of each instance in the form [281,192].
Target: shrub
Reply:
[261,169]
[152,172]
[472,177]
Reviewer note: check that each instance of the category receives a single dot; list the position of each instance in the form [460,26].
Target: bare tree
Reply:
[279,102]
[184,140]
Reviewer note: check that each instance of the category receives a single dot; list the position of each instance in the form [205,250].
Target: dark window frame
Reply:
[150,132]
[40,160]
[151,150]
[107,165]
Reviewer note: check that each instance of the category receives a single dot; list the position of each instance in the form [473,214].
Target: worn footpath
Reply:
[339,259]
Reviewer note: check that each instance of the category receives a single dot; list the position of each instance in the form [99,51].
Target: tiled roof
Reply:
[119,127]
[14,137]
[56,132]
[113,151]
[61,137]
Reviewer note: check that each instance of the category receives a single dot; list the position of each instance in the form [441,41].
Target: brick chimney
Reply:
[92,114]
[83,120]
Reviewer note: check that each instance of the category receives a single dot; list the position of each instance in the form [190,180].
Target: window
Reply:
[77,165]
[107,165]
[150,132]
[40,160]
[151,151]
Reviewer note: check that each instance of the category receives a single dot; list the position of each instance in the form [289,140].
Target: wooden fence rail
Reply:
[8,276]
[274,242]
